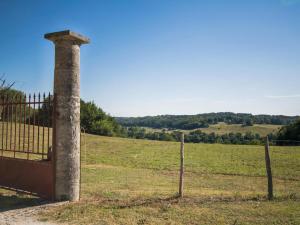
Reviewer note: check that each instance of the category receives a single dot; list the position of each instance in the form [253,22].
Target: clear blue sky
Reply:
[150,57]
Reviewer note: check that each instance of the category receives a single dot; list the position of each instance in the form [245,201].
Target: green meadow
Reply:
[224,128]
[129,181]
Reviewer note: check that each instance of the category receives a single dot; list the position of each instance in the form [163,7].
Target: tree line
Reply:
[198,136]
[190,122]
[289,135]
[95,121]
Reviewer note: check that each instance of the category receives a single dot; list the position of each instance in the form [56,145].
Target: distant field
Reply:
[261,129]
[129,181]
[223,128]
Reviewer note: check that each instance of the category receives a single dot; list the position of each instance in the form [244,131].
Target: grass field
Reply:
[223,128]
[128,181]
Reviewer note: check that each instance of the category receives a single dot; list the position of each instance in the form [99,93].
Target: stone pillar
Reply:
[66,122]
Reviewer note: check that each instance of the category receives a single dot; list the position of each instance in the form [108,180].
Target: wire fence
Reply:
[285,163]
[127,170]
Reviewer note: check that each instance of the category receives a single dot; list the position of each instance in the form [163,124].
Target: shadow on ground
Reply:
[131,203]
[18,201]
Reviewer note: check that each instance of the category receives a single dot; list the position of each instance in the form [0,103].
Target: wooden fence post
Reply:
[269,170]
[181,166]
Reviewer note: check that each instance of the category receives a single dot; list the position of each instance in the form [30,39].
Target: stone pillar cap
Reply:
[67,35]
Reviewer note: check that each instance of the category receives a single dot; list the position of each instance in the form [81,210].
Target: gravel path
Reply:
[25,216]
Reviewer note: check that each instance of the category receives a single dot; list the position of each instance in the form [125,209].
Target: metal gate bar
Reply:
[25,126]
[26,162]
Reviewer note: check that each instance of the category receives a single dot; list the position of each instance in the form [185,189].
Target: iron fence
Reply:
[25,126]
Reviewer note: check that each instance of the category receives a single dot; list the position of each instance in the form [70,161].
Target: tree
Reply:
[6,93]
[248,122]
[4,85]
[45,112]
[94,120]
[188,122]
[290,132]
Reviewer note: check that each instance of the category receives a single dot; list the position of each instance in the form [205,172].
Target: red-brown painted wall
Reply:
[31,176]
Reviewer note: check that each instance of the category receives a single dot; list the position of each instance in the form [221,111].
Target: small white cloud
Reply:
[283,96]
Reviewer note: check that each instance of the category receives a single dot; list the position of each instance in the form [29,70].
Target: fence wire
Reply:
[125,170]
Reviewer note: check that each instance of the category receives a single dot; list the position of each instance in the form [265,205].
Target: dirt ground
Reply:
[25,216]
